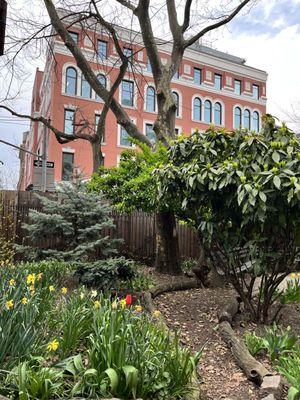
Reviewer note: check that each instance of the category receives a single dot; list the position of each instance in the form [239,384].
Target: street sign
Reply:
[39,163]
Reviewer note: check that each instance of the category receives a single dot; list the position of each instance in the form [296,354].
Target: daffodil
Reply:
[81,296]
[64,290]
[138,308]
[31,279]
[97,304]
[39,276]
[51,288]
[94,293]
[156,313]
[9,304]
[24,301]
[12,282]
[53,346]
[123,303]
[293,275]
[31,288]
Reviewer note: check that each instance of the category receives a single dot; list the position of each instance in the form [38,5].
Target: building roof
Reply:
[217,53]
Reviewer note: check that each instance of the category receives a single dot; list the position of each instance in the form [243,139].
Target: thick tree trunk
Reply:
[167,249]
[97,156]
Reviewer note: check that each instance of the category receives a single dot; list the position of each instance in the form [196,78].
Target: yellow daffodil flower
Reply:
[156,314]
[39,276]
[12,282]
[94,293]
[123,303]
[64,290]
[24,301]
[51,288]
[138,308]
[31,288]
[293,275]
[53,346]
[97,304]
[31,279]
[9,304]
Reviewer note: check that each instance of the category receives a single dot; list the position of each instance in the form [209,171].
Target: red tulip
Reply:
[128,300]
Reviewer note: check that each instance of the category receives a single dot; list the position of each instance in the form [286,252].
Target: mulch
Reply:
[195,313]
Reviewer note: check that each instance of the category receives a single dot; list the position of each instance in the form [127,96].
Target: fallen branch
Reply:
[230,310]
[185,284]
[253,369]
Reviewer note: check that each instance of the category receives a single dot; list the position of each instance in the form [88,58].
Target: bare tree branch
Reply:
[187,15]
[127,4]
[216,25]
[121,115]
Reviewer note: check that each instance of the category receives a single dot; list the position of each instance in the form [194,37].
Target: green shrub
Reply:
[289,367]
[292,292]
[188,264]
[254,343]
[106,274]
[141,282]
[279,341]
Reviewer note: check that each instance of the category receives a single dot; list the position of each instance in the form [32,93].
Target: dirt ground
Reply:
[195,313]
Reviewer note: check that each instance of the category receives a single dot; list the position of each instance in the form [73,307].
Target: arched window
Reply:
[247,119]
[237,118]
[150,99]
[197,109]
[255,121]
[176,98]
[218,114]
[102,80]
[86,90]
[71,81]
[207,111]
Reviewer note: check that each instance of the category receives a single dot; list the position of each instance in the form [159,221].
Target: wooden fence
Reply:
[137,229]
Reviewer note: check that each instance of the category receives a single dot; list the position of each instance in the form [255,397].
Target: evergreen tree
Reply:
[72,225]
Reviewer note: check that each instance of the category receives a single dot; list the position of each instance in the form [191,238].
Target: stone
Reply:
[270,397]
[272,385]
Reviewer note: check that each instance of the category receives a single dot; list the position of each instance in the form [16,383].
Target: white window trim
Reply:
[135,93]
[146,121]
[98,72]
[180,102]
[64,78]
[98,112]
[212,110]
[197,95]
[223,113]
[119,137]
[150,84]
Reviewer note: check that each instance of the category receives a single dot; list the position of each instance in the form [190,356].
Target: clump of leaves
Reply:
[292,292]
[276,341]
[289,367]
[241,191]
[188,264]
[254,343]
[106,274]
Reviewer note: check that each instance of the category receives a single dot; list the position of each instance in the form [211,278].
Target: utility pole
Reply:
[44,158]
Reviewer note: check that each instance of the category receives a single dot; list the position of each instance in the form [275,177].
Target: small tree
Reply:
[133,186]
[74,223]
[241,191]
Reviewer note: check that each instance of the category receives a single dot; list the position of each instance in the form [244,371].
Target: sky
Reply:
[268,37]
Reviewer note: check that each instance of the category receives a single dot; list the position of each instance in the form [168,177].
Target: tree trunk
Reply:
[167,249]
[97,156]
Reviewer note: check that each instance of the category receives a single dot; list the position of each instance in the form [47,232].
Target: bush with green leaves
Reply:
[106,274]
[71,227]
[241,191]
[254,343]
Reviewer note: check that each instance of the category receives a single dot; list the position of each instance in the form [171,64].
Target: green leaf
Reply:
[131,375]
[113,378]
[277,181]
[293,393]
[275,156]
[262,196]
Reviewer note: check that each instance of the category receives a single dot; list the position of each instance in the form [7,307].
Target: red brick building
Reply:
[211,87]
